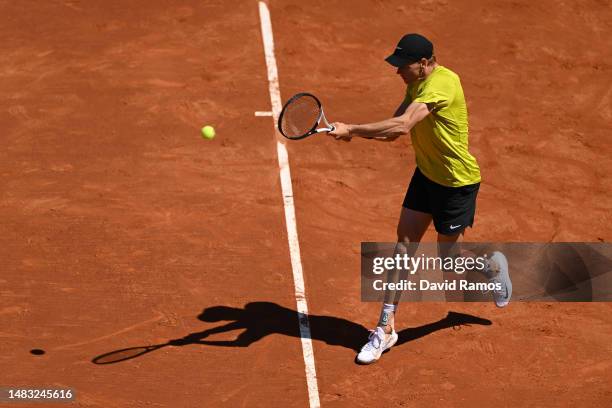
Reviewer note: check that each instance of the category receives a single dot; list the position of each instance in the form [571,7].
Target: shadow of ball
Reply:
[37,352]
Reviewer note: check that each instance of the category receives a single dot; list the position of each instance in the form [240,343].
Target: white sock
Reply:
[389,307]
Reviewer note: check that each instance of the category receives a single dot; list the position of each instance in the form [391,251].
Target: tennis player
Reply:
[445,183]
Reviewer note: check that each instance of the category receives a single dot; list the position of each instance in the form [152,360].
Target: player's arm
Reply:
[389,129]
[398,112]
[401,109]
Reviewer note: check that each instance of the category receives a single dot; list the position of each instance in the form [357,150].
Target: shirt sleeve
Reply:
[438,91]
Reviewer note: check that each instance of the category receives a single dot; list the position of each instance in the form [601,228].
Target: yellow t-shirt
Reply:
[440,140]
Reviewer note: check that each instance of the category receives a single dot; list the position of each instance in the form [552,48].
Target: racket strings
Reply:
[300,116]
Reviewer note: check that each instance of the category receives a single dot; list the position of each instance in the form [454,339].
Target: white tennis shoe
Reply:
[497,270]
[378,342]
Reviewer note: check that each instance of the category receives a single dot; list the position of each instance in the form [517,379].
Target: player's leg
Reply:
[449,246]
[413,222]
[411,227]
[496,270]
[453,210]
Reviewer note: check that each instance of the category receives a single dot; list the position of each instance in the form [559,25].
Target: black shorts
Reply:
[452,208]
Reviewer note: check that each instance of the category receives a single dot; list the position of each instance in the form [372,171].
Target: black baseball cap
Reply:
[411,48]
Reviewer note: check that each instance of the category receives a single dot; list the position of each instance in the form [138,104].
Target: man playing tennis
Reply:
[447,177]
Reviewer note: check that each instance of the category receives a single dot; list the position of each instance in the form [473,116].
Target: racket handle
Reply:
[332,128]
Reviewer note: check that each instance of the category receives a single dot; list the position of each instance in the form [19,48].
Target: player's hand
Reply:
[341,131]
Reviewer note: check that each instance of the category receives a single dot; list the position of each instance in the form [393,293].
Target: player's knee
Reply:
[406,237]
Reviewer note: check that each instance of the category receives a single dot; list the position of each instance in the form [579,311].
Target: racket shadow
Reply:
[260,319]
[125,354]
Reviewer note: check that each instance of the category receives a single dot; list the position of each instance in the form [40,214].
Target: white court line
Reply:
[287,190]
[265,113]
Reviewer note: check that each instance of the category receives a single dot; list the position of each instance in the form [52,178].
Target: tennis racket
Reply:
[301,117]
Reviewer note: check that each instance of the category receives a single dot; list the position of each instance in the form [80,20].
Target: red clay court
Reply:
[122,228]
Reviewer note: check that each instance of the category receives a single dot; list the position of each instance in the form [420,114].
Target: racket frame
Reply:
[315,128]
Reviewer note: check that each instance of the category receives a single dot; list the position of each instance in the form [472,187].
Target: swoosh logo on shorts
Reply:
[455,226]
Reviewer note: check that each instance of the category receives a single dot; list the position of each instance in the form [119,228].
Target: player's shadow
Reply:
[260,319]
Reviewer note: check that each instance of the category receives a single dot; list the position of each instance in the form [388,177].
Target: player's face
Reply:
[410,72]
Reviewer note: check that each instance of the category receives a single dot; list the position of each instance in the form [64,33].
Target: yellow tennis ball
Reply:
[208,132]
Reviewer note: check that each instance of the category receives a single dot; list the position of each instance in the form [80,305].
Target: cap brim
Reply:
[398,61]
